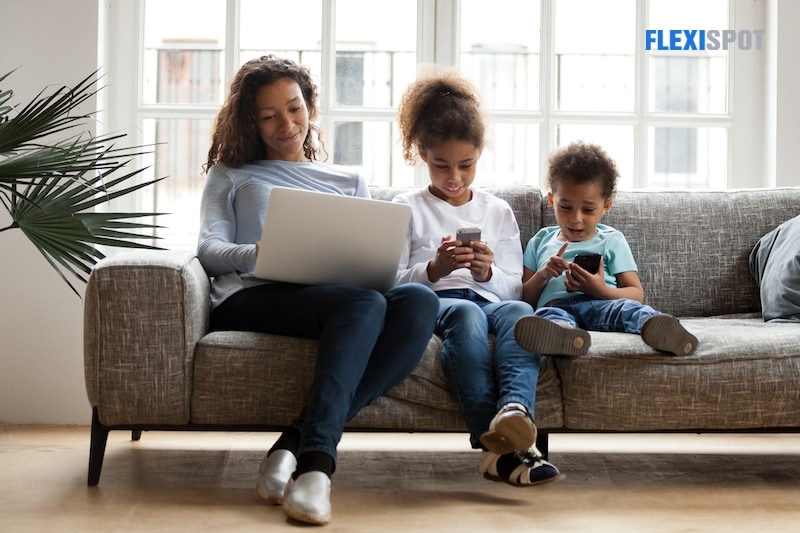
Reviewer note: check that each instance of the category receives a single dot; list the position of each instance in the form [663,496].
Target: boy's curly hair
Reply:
[235,139]
[439,107]
[581,162]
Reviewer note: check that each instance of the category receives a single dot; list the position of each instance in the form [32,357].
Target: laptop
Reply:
[317,238]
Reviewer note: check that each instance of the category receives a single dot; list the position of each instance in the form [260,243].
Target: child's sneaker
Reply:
[545,337]
[665,334]
[521,468]
[511,429]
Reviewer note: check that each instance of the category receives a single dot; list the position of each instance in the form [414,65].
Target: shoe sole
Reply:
[270,497]
[510,433]
[666,334]
[309,518]
[543,336]
[553,479]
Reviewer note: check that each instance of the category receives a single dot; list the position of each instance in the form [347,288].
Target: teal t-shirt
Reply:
[608,242]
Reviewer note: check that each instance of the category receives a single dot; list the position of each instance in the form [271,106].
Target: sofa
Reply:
[152,364]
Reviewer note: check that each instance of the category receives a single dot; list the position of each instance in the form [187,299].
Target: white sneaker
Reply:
[511,429]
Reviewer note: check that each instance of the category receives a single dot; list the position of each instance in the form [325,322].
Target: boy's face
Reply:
[578,208]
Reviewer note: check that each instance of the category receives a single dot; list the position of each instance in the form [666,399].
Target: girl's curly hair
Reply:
[234,138]
[581,162]
[438,108]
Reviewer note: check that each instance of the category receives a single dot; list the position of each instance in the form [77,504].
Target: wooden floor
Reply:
[386,483]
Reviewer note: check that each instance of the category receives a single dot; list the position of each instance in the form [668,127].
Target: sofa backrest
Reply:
[691,247]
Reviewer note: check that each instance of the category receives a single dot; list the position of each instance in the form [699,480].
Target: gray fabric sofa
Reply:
[151,363]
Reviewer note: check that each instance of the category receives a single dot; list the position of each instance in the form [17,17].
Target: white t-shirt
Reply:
[433,218]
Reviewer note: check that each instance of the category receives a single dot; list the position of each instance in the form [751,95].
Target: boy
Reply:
[567,297]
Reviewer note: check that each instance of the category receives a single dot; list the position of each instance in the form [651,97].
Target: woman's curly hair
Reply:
[438,108]
[235,139]
[581,162]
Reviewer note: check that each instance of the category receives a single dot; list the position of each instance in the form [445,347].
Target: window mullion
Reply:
[547,75]
[232,30]
[642,92]
[448,24]
[327,81]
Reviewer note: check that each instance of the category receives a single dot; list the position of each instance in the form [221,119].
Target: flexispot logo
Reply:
[703,39]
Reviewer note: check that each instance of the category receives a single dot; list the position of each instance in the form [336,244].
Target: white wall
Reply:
[41,320]
[782,123]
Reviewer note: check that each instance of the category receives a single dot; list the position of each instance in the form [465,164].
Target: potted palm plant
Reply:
[54,173]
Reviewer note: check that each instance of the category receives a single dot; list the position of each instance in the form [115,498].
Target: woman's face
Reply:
[282,119]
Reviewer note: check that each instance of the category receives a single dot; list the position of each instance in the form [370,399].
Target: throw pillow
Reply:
[775,265]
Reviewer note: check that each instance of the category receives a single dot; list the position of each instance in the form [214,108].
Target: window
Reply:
[549,71]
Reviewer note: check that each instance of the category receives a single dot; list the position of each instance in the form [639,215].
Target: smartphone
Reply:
[468,234]
[588,262]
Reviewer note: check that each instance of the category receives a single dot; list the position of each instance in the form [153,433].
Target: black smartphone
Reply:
[588,262]
[465,235]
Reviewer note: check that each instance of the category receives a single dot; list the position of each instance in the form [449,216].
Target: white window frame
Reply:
[438,42]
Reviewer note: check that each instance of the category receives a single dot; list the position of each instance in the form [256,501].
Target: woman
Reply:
[264,137]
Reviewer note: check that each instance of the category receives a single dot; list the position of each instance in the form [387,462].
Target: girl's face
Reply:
[578,207]
[282,119]
[451,165]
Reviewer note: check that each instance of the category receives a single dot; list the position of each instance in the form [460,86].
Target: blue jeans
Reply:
[368,343]
[581,311]
[480,383]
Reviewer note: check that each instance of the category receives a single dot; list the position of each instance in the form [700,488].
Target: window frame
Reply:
[438,38]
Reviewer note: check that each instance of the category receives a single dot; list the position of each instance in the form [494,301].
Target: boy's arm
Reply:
[594,285]
[629,286]
[532,285]
[533,282]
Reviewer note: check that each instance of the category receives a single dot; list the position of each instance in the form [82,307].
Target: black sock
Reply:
[315,461]
[506,464]
[289,440]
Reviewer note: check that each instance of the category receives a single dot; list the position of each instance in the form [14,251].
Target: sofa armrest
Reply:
[144,312]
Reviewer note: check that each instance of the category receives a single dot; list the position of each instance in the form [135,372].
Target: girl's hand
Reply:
[481,263]
[580,279]
[449,257]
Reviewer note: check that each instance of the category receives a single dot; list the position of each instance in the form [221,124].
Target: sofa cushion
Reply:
[251,378]
[745,374]
[775,265]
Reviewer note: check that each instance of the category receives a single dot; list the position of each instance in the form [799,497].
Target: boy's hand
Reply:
[556,265]
[580,279]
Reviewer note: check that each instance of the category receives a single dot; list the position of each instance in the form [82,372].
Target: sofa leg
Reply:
[136,434]
[543,443]
[97,449]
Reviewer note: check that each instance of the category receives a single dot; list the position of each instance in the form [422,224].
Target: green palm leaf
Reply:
[52,187]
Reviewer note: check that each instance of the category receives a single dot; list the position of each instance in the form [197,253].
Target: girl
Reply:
[479,282]
[264,137]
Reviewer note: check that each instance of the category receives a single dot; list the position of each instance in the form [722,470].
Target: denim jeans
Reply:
[480,383]
[368,343]
[582,311]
